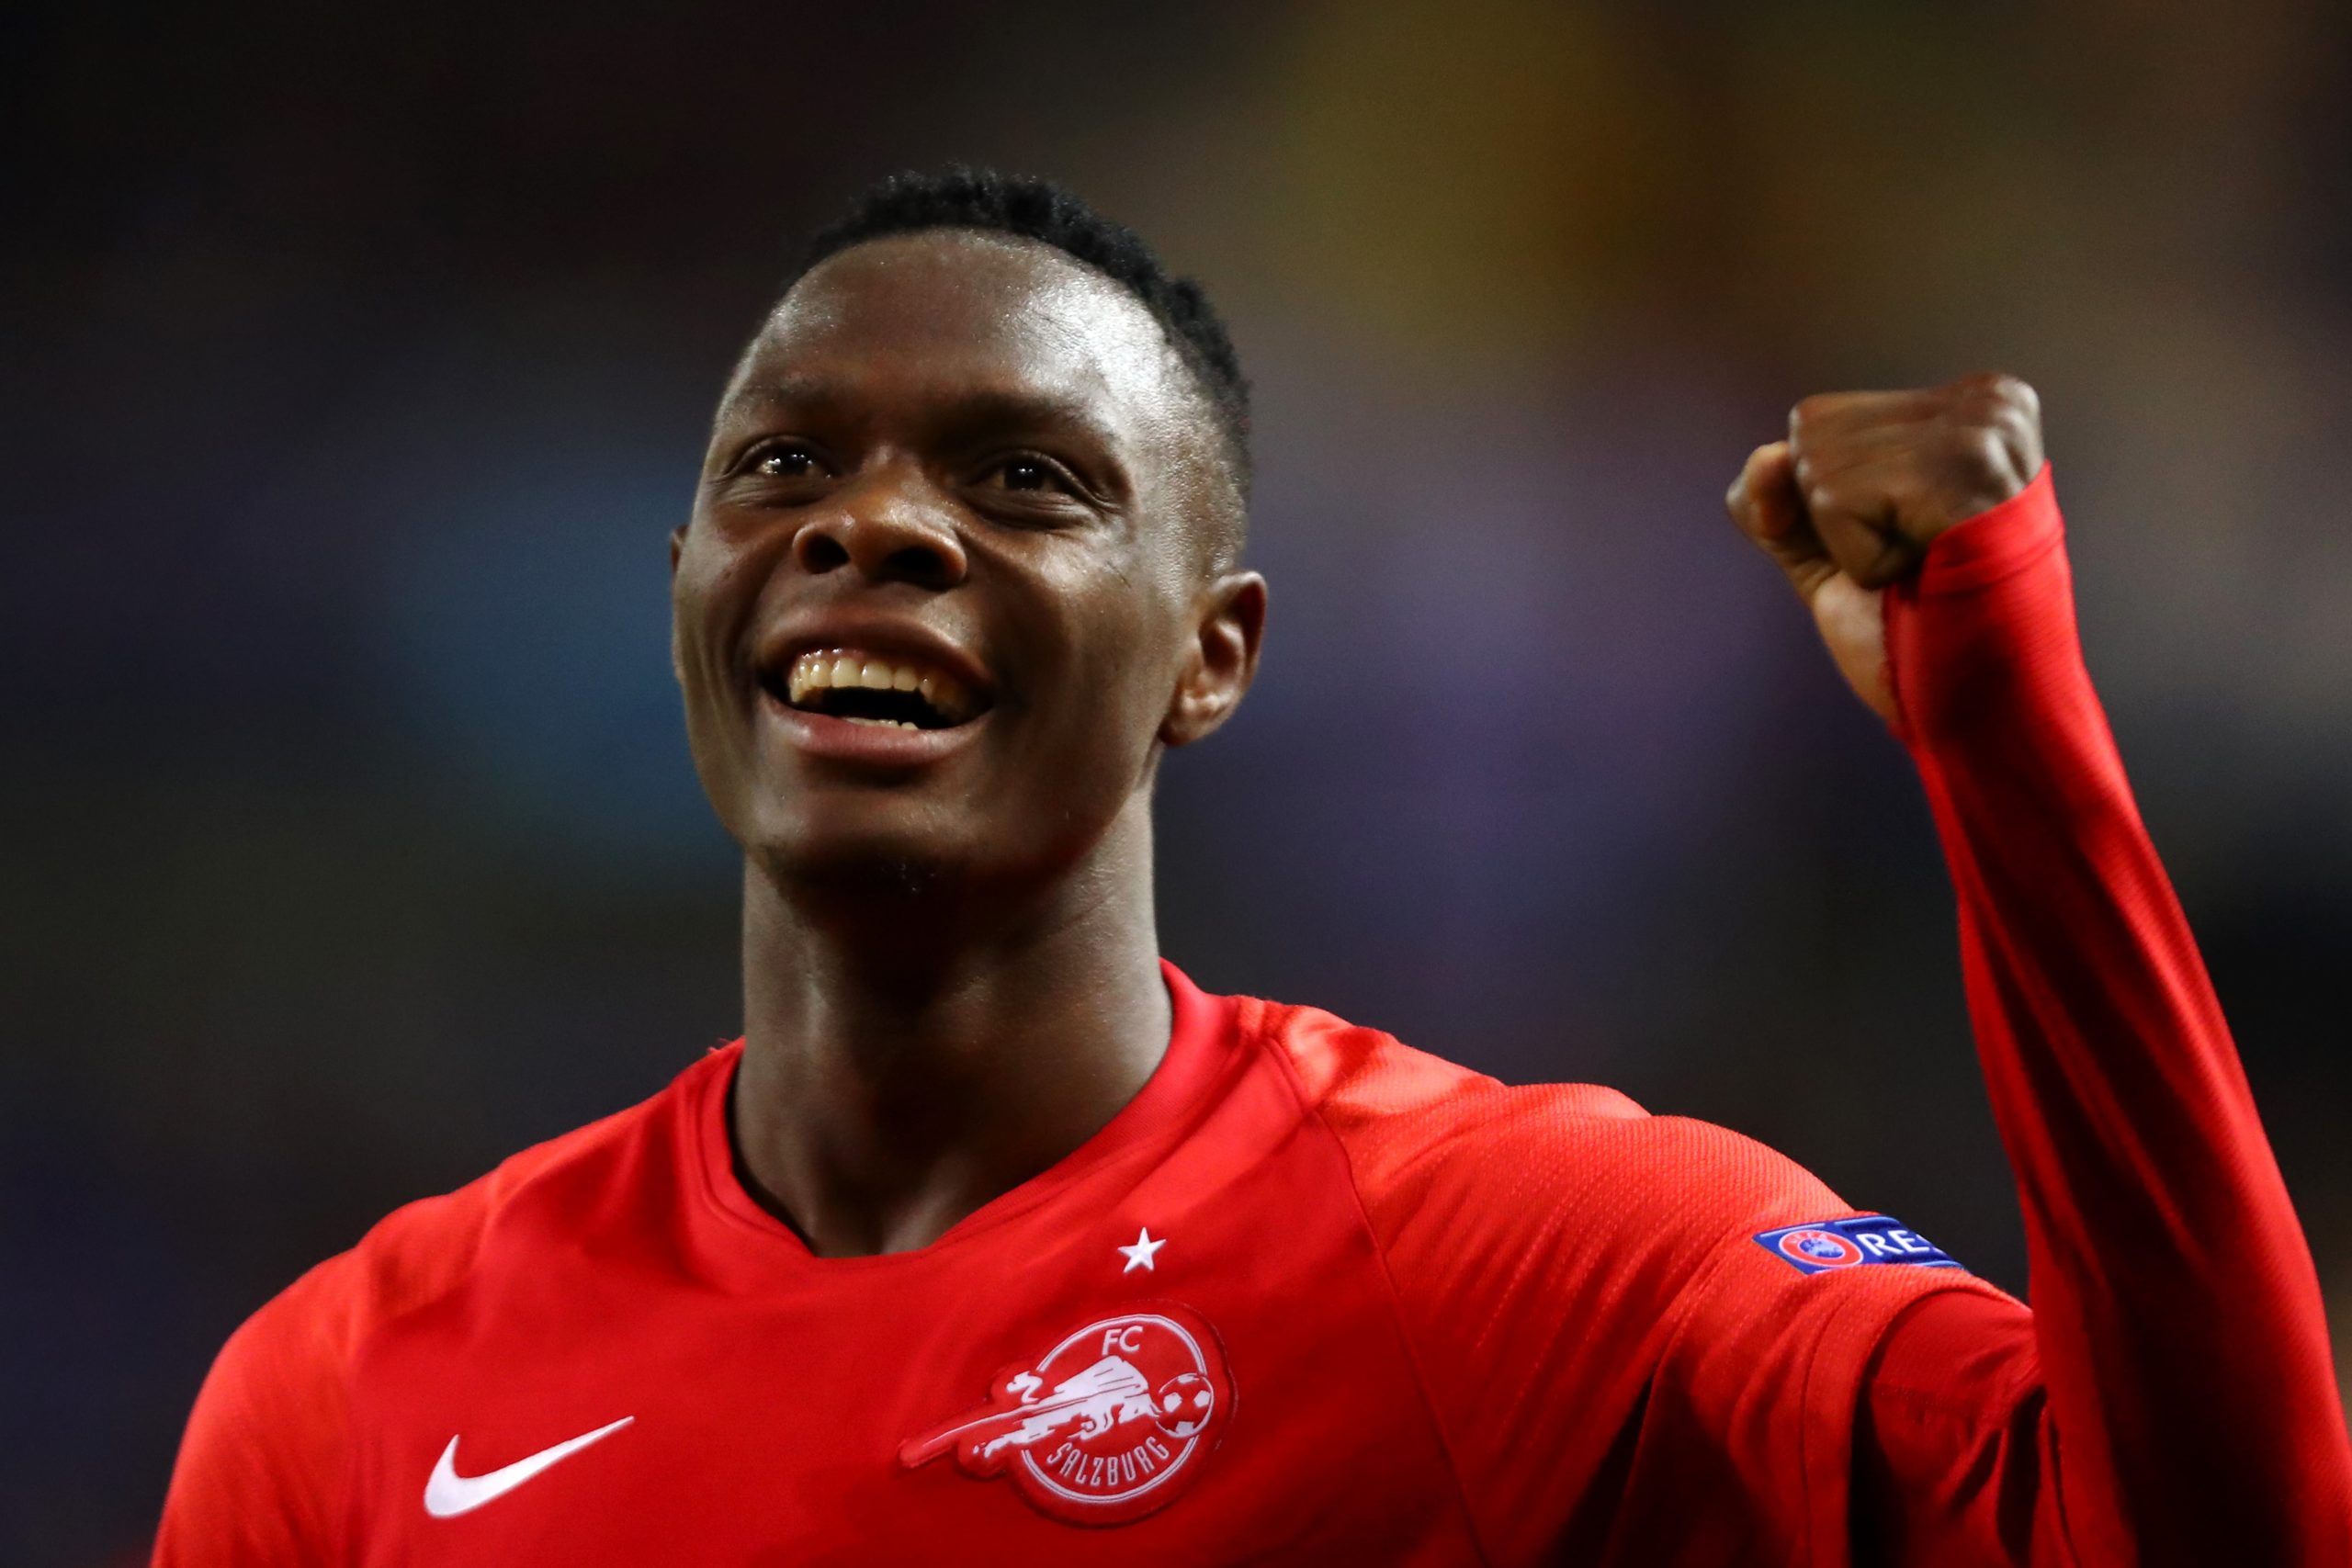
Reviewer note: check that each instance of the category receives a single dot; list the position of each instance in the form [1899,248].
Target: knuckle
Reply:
[1979,453]
[1742,484]
[1997,398]
[2011,418]
[1981,384]
[2019,397]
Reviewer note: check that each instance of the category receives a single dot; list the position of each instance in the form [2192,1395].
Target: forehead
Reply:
[948,314]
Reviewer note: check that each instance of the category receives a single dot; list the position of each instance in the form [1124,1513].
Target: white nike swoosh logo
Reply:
[447,1494]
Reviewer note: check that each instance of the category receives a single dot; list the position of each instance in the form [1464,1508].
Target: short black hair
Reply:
[963,197]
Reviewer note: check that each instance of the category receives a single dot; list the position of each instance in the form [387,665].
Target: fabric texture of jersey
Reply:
[1456,1323]
[1314,1296]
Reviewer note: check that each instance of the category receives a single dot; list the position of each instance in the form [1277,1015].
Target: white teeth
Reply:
[838,669]
[881,723]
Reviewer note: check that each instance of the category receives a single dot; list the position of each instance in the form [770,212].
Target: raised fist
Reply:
[1865,481]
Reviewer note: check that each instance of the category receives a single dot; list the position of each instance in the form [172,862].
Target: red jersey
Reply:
[1314,1296]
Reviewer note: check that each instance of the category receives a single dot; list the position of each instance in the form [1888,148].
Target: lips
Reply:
[871,691]
[861,687]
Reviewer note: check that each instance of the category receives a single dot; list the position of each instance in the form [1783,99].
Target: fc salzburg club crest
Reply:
[1104,1428]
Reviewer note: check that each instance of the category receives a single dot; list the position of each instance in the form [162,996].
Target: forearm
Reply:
[2177,1319]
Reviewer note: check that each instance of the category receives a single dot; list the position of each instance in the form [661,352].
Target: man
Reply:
[995,1239]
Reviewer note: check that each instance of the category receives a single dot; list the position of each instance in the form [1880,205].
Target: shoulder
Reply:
[1553,1200]
[1583,1290]
[423,1249]
[1420,1129]
[1392,1104]
[256,1476]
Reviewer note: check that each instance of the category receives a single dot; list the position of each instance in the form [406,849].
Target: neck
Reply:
[913,1049]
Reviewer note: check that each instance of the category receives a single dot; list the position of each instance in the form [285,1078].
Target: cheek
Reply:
[1120,643]
[692,607]
[713,595]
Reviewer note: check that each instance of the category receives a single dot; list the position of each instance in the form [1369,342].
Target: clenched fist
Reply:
[1850,501]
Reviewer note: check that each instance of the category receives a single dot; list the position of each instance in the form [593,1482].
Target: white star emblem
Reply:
[1140,1253]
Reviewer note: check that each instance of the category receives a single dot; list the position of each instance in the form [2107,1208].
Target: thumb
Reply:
[1769,509]
[1766,504]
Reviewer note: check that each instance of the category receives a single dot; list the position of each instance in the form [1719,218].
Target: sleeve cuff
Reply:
[1994,544]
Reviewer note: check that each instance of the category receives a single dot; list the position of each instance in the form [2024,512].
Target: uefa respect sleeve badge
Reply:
[1827,1246]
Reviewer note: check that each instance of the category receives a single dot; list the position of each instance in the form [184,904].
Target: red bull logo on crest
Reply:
[1107,1426]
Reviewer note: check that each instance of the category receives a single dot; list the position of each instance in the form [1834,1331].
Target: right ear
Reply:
[1223,660]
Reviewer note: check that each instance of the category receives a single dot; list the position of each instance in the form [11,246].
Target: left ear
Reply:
[677,654]
[1223,659]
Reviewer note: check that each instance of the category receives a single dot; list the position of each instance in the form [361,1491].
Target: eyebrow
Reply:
[966,415]
[790,392]
[979,407]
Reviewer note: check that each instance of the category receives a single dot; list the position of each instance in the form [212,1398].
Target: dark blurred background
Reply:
[358,363]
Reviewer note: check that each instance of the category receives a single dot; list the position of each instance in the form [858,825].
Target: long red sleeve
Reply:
[2169,1397]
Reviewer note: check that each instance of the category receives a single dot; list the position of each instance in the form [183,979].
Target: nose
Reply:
[886,529]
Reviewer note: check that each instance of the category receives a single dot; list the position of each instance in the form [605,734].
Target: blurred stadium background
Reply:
[357,369]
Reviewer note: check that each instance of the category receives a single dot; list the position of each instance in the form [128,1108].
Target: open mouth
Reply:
[866,689]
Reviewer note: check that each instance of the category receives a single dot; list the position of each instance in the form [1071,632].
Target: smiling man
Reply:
[996,1239]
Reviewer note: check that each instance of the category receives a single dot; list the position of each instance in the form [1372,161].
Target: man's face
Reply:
[946,588]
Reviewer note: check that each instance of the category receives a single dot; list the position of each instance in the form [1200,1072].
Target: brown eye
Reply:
[787,463]
[1027,473]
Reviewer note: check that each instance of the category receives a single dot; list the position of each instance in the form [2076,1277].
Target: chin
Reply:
[870,862]
[870,856]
